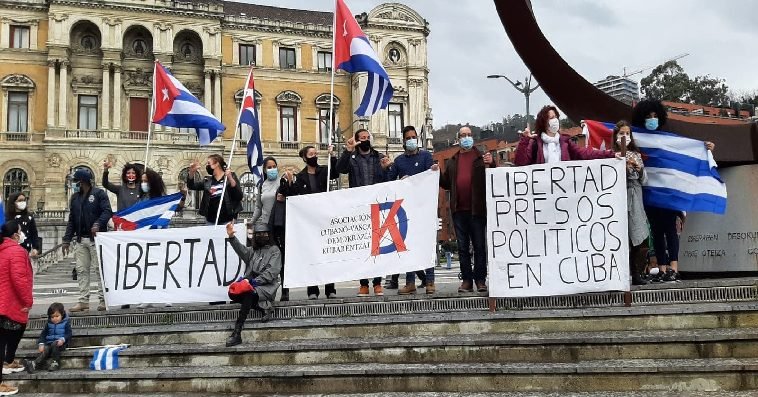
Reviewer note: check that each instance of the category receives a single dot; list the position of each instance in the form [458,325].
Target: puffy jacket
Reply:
[86,211]
[53,332]
[16,281]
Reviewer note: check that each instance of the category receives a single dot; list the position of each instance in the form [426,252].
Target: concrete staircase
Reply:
[449,345]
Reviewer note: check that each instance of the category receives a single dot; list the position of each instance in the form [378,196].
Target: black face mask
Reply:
[365,145]
[312,161]
[261,241]
[209,170]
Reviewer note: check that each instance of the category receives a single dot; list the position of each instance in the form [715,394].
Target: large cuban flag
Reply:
[174,106]
[248,120]
[353,53]
[681,173]
[150,214]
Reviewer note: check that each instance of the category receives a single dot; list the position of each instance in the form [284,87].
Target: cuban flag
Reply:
[248,120]
[106,358]
[598,135]
[150,214]
[681,173]
[174,106]
[353,53]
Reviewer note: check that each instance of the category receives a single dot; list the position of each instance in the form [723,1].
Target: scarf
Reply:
[551,148]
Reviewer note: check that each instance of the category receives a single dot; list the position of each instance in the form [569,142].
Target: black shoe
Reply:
[285,295]
[267,316]
[30,366]
[235,338]
[671,277]
[638,280]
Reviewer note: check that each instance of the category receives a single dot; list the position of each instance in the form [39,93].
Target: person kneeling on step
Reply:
[257,289]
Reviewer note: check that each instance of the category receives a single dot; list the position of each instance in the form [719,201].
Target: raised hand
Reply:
[528,133]
[350,144]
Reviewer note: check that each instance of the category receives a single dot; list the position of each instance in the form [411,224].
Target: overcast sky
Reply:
[597,37]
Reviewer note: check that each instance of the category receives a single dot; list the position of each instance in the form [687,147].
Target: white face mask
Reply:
[145,187]
[21,237]
[622,138]
[21,205]
[553,125]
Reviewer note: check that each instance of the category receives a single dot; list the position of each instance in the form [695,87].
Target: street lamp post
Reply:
[524,88]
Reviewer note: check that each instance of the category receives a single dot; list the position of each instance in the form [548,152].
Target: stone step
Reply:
[606,375]
[212,326]
[451,394]
[493,348]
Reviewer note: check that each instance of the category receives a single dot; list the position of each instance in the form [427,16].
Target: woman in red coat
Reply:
[548,145]
[16,280]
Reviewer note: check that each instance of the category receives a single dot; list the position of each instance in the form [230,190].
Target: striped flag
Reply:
[106,358]
[248,118]
[174,106]
[353,53]
[681,173]
[150,214]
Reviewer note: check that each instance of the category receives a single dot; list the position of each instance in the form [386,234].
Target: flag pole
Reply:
[234,142]
[152,114]
[331,102]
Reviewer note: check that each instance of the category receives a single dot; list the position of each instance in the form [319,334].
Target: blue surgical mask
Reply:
[75,187]
[651,123]
[411,144]
[272,173]
[467,142]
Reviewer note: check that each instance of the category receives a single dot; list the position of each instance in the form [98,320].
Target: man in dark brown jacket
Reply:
[464,178]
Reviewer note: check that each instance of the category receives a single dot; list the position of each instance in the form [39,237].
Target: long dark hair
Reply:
[540,125]
[10,205]
[644,108]
[157,187]
[631,146]
[137,170]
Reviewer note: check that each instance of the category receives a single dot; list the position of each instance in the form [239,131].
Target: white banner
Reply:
[182,265]
[363,232]
[557,229]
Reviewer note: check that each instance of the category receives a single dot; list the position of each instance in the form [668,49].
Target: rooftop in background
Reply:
[706,114]
[277,13]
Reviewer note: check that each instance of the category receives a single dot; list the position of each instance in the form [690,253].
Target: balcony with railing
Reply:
[290,145]
[116,135]
[15,136]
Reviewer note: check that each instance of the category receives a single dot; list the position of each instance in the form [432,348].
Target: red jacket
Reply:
[525,151]
[16,281]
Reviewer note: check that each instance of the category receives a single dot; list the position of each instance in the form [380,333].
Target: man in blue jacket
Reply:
[364,166]
[412,162]
[89,212]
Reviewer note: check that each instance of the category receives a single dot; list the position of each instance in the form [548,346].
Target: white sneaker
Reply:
[312,297]
[331,295]
[6,371]
[144,305]
[6,390]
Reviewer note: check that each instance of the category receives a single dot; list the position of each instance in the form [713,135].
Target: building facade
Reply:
[622,88]
[76,84]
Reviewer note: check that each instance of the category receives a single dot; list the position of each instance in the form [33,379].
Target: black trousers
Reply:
[328,289]
[665,239]
[52,352]
[278,238]
[247,301]
[376,281]
[9,341]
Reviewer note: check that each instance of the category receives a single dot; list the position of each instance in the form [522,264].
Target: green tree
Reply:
[707,90]
[667,82]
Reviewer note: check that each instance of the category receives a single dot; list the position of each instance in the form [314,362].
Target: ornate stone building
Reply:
[76,78]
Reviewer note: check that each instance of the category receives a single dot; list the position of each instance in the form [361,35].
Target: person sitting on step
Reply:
[53,340]
[261,280]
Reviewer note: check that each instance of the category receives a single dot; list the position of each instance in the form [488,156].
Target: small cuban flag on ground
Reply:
[106,358]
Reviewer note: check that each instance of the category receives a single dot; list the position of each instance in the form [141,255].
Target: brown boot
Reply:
[430,288]
[466,286]
[408,289]
[79,307]
[481,286]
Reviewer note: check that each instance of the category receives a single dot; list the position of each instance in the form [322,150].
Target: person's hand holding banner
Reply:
[230,229]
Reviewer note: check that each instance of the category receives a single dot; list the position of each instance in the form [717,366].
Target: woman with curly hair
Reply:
[128,192]
[652,115]
[548,145]
[152,185]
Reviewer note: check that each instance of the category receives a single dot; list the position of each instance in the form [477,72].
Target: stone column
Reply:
[117,97]
[63,98]
[217,94]
[207,90]
[50,93]
[106,97]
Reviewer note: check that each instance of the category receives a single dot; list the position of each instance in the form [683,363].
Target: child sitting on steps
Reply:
[53,340]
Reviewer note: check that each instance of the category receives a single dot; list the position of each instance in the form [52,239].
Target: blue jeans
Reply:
[470,229]
[410,277]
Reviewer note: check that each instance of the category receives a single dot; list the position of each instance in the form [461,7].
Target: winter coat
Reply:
[16,281]
[348,164]
[528,154]
[478,183]
[86,211]
[53,332]
[638,230]
[263,267]
[27,224]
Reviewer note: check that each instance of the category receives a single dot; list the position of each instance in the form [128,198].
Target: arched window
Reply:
[15,180]
[193,196]
[249,190]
